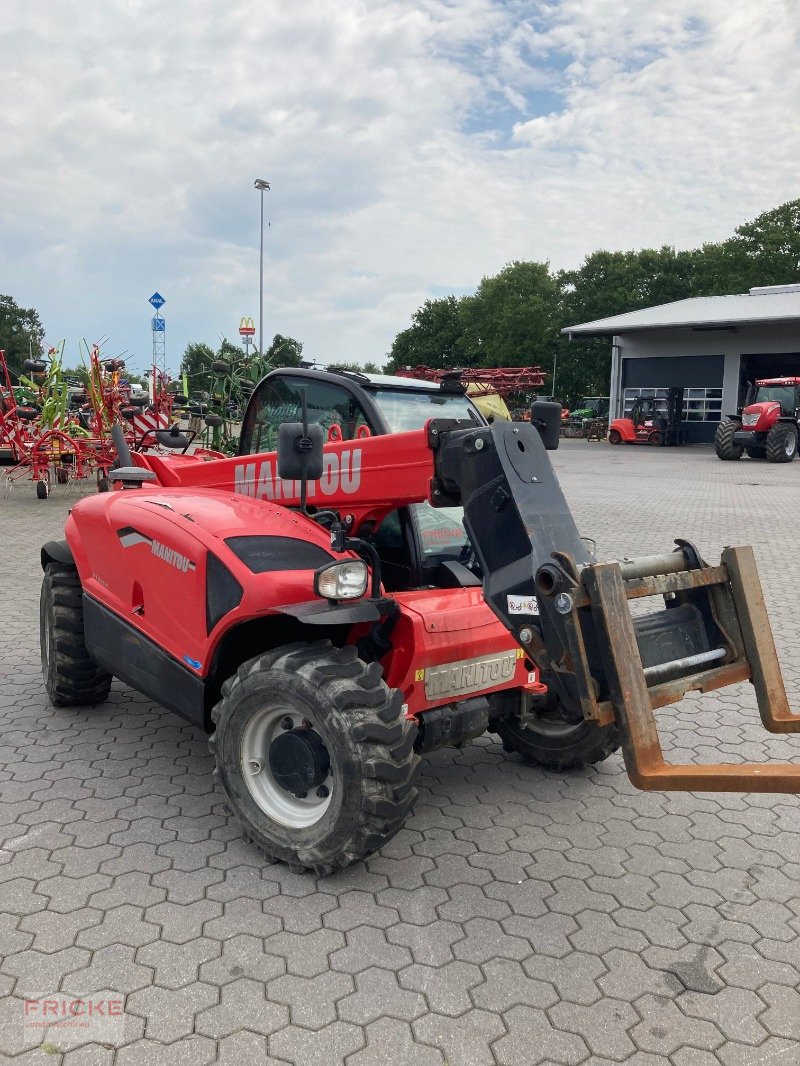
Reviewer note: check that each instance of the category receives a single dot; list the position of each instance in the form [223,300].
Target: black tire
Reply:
[70,676]
[103,484]
[558,745]
[42,490]
[34,366]
[757,452]
[723,442]
[656,438]
[782,443]
[614,436]
[214,421]
[62,475]
[220,366]
[369,742]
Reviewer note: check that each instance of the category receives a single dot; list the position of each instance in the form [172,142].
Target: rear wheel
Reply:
[549,741]
[70,676]
[315,755]
[614,436]
[782,443]
[723,441]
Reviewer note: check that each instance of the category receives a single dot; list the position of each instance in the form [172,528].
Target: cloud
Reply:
[413,147]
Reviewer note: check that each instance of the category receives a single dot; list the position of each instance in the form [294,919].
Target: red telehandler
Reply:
[377,574]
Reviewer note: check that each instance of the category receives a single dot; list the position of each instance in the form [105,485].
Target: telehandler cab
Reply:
[377,574]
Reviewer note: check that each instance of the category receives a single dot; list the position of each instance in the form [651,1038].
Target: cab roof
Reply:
[778,381]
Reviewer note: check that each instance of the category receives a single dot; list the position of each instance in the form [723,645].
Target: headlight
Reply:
[751,420]
[341,581]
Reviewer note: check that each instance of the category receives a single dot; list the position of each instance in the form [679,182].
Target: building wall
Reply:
[716,353]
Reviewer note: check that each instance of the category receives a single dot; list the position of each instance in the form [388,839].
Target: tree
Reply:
[21,333]
[435,337]
[357,368]
[284,351]
[195,365]
[513,319]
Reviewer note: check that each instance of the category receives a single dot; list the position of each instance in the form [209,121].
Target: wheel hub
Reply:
[299,761]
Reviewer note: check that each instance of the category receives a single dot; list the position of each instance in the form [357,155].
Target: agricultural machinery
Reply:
[52,430]
[377,574]
[652,420]
[767,426]
[490,388]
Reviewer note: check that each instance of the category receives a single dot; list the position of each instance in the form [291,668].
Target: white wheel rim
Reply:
[284,808]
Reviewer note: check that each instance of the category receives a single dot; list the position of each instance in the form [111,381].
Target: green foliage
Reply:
[358,368]
[434,339]
[284,351]
[21,333]
[515,317]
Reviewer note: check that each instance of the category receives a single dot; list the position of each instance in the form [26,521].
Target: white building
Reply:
[710,345]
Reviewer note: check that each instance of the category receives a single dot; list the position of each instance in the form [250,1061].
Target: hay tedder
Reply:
[396,576]
[49,432]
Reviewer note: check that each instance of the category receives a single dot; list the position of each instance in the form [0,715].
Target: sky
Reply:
[412,147]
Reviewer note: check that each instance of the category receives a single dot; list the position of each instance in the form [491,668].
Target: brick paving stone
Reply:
[119,925]
[531,1038]
[431,944]
[334,1043]
[521,915]
[170,1013]
[177,965]
[190,1050]
[446,988]
[377,995]
[392,1041]
[311,1000]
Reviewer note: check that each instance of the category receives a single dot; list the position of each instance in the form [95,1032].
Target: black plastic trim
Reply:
[57,551]
[132,657]
[322,613]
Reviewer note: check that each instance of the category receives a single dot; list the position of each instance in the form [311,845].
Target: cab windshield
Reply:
[441,529]
[783,394]
[405,409]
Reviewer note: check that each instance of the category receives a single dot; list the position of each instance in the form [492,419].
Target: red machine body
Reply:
[148,566]
[767,426]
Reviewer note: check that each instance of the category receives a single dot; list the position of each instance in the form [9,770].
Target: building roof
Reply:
[768,303]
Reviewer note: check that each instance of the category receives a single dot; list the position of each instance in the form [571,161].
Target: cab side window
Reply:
[278,400]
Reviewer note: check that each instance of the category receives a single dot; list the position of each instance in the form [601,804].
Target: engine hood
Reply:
[760,415]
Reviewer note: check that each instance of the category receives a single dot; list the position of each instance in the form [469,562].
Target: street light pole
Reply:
[261,185]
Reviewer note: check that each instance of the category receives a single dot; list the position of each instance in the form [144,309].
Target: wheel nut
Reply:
[525,635]
[255,766]
[286,723]
[323,792]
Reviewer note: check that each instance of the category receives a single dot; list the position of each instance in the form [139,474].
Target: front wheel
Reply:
[315,755]
[723,441]
[549,741]
[71,677]
[782,443]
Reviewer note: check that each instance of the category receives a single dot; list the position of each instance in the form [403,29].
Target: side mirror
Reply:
[546,417]
[300,451]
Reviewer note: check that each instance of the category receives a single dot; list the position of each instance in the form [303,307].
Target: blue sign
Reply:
[157,300]
[159,325]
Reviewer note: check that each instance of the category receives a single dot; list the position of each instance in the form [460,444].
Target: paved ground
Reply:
[522,917]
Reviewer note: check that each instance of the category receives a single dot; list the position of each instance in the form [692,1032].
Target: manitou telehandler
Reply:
[377,574]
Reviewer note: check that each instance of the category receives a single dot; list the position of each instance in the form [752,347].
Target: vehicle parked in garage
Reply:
[766,427]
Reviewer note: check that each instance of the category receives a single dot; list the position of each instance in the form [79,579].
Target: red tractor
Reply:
[380,573]
[767,427]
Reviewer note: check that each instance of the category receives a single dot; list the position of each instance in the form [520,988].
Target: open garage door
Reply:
[777,365]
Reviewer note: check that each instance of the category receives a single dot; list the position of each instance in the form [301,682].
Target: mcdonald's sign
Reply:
[246,327]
